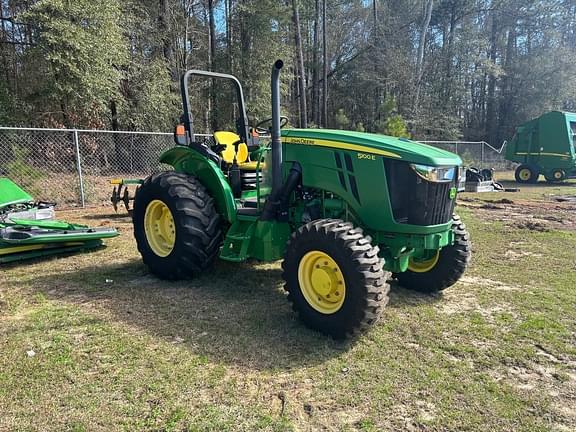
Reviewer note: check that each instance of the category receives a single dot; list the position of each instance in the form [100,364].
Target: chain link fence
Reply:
[478,154]
[73,167]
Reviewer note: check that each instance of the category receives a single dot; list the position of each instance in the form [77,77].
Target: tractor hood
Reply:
[383,145]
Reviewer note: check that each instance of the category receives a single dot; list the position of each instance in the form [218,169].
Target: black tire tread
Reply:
[453,262]
[198,225]
[368,266]
[533,178]
[550,178]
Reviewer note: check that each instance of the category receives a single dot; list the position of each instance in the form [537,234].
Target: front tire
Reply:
[176,226]
[442,270]
[334,277]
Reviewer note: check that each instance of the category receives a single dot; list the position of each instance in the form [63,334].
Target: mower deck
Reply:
[25,238]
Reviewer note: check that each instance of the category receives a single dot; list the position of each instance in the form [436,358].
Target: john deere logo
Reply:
[452,193]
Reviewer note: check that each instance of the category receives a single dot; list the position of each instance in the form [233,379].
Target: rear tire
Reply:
[334,277]
[451,265]
[527,174]
[190,233]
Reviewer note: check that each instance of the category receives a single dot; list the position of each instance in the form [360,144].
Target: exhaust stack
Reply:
[276,141]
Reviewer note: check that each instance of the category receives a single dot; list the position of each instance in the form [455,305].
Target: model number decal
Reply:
[302,141]
[366,156]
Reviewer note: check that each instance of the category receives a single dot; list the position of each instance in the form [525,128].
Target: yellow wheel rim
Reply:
[525,174]
[159,227]
[558,175]
[423,266]
[321,282]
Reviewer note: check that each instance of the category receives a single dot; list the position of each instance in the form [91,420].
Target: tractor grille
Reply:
[414,200]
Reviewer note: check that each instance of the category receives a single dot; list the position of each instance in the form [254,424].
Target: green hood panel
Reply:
[383,145]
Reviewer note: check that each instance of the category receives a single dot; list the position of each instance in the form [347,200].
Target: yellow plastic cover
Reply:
[228,139]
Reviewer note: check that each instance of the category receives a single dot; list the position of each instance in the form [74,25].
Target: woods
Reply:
[430,69]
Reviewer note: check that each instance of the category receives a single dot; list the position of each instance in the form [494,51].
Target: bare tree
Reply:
[300,66]
[421,46]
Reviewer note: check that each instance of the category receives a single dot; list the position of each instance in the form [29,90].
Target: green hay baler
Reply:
[545,145]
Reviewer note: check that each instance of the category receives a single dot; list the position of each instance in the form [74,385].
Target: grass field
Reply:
[116,349]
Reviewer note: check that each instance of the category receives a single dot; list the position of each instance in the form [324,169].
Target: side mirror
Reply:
[180,137]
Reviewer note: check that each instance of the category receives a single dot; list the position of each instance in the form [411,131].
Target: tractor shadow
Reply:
[236,314]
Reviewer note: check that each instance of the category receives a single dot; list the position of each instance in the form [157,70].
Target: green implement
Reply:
[25,238]
[545,145]
[12,194]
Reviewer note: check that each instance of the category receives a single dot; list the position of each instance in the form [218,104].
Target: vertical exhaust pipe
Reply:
[276,140]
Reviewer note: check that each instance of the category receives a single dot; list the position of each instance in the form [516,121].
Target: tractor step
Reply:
[237,241]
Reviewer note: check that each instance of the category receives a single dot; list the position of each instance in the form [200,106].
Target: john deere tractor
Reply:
[342,209]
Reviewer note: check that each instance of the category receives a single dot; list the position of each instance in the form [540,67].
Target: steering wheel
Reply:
[261,130]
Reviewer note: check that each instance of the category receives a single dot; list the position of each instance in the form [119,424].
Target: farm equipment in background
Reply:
[28,229]
[343,209]
[121,192]
[545,145]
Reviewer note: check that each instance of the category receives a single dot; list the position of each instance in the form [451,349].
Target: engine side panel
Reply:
[358,177]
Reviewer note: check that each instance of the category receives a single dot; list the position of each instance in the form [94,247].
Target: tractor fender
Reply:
[189,161]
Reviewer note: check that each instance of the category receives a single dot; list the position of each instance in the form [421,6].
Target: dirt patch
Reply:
[532,225]
[492,207]
[465,303]
[533,215]
[512,255]
[488,283]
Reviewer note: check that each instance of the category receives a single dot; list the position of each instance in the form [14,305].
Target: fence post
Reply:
[482,157]
[79,166]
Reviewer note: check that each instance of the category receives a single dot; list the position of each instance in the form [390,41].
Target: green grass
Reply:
[225,352]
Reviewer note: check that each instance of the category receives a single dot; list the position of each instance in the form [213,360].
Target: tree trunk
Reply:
[448,81]
[211,61]
[229,34]
[490,127]
[166,34]
[375,37]
[3,40]
[324,68]
[316,64]
[421,46]
[506,97]
[300,66]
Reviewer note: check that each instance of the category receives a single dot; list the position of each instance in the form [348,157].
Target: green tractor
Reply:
[343,210]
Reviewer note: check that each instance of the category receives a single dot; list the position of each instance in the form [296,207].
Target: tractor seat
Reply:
[228,139]
[247,167]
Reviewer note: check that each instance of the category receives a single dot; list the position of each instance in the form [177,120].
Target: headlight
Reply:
[435,174]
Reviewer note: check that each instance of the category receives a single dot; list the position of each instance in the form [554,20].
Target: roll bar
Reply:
[243,128]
